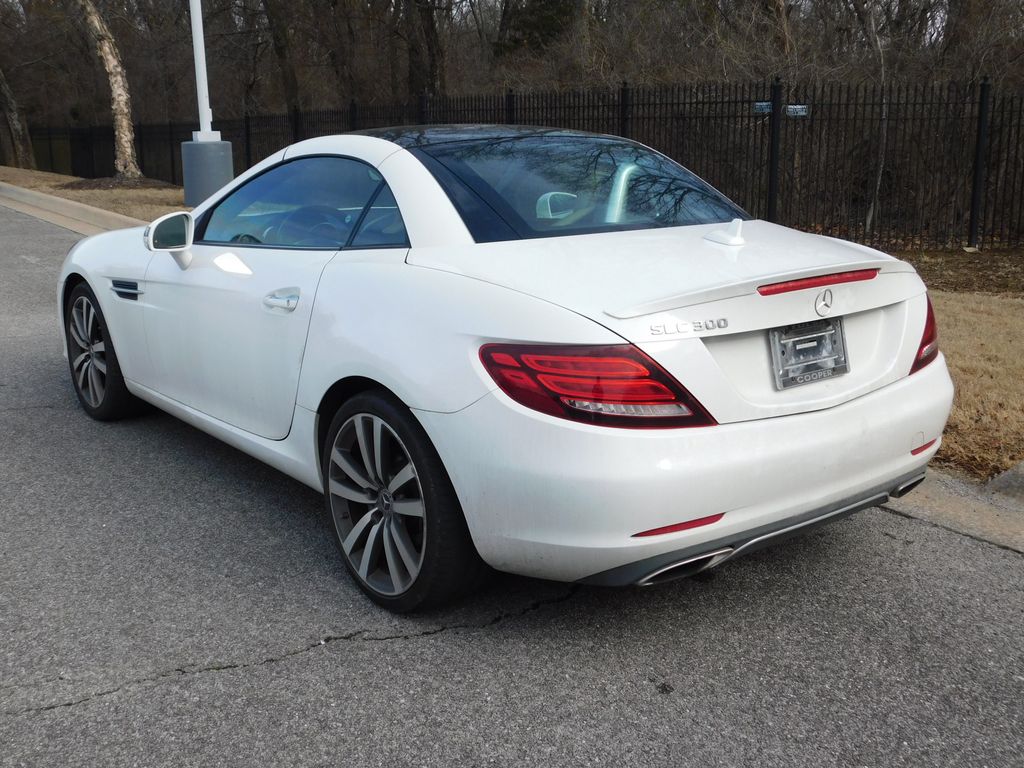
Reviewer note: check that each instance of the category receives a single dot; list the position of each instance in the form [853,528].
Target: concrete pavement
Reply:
[67,214]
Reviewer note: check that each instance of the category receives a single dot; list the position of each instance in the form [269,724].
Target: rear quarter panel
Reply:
[418,331]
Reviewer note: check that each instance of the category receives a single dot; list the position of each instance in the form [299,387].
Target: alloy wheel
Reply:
[88,353]
[377,503]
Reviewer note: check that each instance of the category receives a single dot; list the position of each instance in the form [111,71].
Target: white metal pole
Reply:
[206,132]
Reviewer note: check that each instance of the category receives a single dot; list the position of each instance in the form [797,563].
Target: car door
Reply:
[226,328]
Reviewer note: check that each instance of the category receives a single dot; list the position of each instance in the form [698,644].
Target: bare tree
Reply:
[125,164]
[866,16]
[276,15]
[437,54]
[276,56]
[780,10]
[426,51]
[341,43]
[15,146]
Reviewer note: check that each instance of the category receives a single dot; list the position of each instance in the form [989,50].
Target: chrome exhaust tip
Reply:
[904,488]
[687,567]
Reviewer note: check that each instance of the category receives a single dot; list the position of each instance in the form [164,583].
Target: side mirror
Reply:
[172,232]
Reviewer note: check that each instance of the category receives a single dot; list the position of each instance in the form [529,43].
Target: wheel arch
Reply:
[337,395]
[72,281]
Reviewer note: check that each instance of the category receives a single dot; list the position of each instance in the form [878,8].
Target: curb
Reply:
[979,511]
[78,217]
[1009,483]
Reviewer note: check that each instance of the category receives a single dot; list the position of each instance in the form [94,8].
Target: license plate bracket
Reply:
[807,352]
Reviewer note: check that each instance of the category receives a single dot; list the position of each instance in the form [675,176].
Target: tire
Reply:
[404,538]
[95,372]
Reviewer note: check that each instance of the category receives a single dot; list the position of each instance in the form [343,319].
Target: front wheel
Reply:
[395,515]
[95,371]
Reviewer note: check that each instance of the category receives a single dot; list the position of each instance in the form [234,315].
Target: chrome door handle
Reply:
[285,301]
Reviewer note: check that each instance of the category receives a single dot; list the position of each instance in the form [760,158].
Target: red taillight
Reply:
[817,282]
[929,347]
[616,386]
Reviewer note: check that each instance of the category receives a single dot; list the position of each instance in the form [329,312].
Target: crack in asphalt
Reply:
[932,523]
[366,636]
[359,635]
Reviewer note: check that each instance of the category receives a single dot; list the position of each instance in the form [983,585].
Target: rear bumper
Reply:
[549,498]
[711,554]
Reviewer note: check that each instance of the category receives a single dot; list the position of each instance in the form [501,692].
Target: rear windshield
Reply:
[550,185]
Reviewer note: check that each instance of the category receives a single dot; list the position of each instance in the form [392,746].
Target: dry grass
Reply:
[144,203]
[998,271]
[982,337]
[979,301]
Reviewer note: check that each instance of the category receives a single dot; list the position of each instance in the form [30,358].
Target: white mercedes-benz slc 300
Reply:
[555,353]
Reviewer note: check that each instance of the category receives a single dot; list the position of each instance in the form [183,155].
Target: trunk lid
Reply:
[693,304]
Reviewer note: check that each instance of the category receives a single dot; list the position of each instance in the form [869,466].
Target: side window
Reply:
[382,226]
[312,202]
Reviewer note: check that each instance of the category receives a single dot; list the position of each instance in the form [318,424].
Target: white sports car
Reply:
[554,353]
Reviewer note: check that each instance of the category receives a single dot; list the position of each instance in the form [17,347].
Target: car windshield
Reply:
[549,185]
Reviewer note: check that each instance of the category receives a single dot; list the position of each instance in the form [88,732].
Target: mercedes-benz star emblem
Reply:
[823,304]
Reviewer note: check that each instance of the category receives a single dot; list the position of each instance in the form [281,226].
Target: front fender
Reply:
[99,260]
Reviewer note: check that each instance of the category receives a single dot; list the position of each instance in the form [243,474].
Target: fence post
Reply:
[980,150]
[424,108]
[296,121]
[353,115]
[774,140]
[625,109]
[247,123]
[510,107]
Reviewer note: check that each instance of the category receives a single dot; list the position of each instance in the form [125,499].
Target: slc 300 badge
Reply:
[693,326]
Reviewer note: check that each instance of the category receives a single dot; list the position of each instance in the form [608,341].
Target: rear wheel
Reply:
[395,515]
[95,371]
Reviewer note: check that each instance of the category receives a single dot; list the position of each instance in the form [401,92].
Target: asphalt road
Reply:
[165,600]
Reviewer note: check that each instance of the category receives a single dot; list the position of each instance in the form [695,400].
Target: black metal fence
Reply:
[902,166]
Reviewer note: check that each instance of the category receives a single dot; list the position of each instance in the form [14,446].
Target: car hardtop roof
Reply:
[429,135]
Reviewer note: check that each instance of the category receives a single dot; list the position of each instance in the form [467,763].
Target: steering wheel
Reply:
[314,225]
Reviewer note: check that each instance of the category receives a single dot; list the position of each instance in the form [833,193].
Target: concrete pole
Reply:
[205,132]
[206,162]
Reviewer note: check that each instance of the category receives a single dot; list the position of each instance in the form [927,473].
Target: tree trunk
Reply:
[866,16]
[579,30]
[963,20]
[508,8]
[418,77]
[340,48]
[437,56]
[478,24]
[780,9]
[18,150]
[125,164]
[276,16]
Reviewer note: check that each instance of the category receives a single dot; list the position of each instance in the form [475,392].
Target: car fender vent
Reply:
[126,289]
